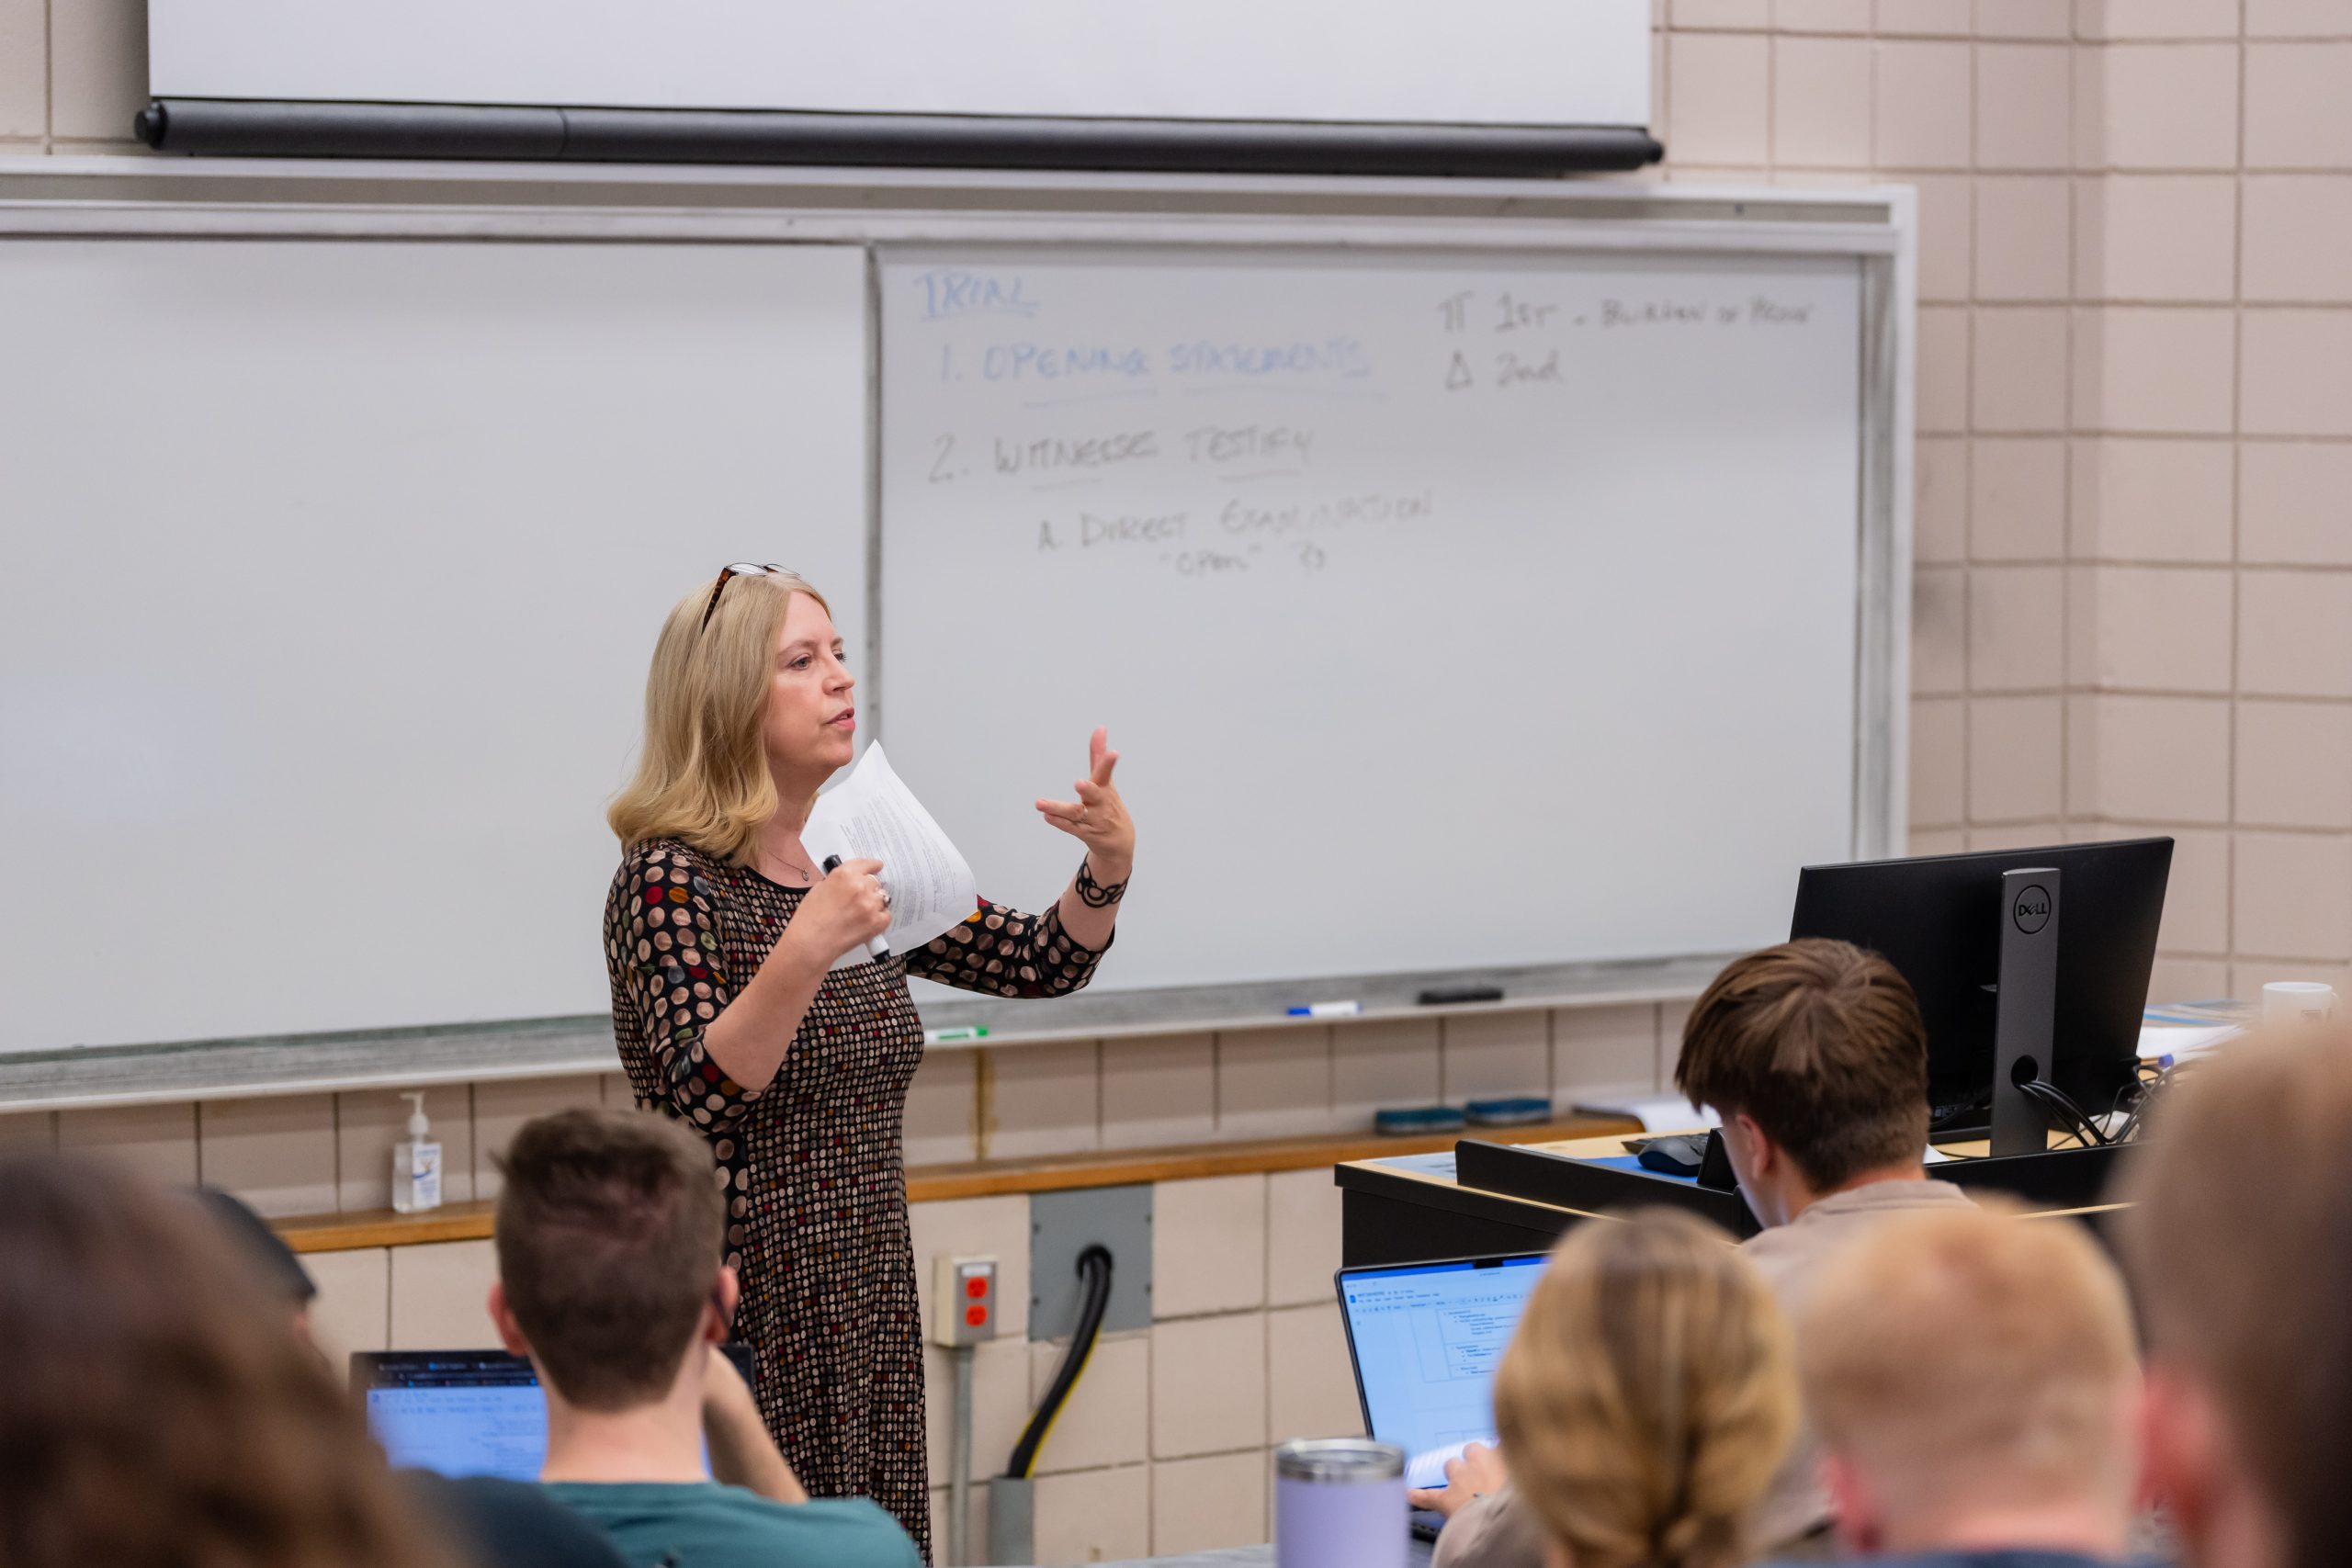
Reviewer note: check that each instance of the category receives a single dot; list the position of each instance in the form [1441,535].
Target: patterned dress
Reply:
[817,1211]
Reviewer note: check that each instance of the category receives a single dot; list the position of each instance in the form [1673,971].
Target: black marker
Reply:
[1447,996]
[878,949]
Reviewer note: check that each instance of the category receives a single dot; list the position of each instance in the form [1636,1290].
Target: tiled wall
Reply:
[2133,607]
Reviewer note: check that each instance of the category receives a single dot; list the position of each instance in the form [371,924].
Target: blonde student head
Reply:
[1647,1396]
[1972,1376]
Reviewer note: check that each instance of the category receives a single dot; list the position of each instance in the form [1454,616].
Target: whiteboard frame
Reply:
[229,200]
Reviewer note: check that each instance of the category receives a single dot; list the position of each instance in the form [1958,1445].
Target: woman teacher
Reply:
[720,933]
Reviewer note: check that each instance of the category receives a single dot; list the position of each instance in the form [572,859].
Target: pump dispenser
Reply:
[417,1164]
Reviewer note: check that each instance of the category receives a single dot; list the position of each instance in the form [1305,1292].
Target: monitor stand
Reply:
[2025,1015]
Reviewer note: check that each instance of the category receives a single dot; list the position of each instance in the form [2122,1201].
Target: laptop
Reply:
[466,1412]
[1424,1339]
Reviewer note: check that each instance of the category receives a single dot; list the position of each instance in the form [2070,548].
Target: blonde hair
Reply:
[1648,1395]
[702,773]
[1966,1356]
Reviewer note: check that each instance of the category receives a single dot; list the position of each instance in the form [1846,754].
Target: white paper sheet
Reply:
[871,815]
[1428,1467]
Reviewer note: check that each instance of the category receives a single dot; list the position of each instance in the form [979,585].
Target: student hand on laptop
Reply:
[741,1452]
[1478,1471]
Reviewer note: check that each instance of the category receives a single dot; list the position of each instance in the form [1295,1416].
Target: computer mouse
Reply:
[1680,1155]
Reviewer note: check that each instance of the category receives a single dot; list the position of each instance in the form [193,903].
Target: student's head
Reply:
[274,1268]
[1647,1395]
[609,1232]
[732,706]
[1813,1055]
[155,1410]
[2240,1246]
[1972,1371]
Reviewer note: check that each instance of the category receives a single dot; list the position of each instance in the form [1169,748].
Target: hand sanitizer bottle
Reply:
[417,1164]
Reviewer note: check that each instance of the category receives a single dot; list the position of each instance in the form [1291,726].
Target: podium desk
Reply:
[1412,1208]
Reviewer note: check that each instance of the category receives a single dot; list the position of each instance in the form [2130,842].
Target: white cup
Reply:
[2305,1002]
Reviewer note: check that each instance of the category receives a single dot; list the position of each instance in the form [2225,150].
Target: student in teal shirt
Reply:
[611,1235]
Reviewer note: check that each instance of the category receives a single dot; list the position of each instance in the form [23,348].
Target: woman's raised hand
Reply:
[1098,817]
[846,909]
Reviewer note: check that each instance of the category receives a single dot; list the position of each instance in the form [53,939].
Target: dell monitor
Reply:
[1952,925]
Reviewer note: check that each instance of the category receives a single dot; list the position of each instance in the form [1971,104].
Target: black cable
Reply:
[2057,1102]
[1094,1268]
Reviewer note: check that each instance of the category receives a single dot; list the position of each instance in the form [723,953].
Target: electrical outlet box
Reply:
[963,1301]
[1062,1225]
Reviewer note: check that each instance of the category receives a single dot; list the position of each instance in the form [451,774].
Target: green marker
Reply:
[952,1036]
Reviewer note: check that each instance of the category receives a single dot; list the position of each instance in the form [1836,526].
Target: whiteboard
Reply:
[334,570]
[1448,62]
[1450,611]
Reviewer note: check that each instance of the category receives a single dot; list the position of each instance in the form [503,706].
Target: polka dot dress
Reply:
[816,1207]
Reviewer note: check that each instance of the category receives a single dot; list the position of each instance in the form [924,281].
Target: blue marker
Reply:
[1328,1009]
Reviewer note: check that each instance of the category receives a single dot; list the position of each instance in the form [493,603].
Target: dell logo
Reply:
[2032,911]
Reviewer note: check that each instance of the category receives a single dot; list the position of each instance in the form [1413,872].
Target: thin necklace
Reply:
[806,875]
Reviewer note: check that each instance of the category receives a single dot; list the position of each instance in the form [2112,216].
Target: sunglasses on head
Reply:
[726,574]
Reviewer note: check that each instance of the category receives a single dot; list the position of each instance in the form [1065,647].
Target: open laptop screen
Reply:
[1425,1338]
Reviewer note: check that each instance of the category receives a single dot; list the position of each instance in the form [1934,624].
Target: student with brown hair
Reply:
[2240,1246]
[1647,1395]
[610,1232]
[1813,1055]
[156,1411]
[1974,1383]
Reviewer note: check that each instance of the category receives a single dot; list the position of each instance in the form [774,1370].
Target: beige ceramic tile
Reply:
[2161,628]
[1208,1246]
[2023,19]
[2294,764]
[2017,499]
[2022,105]
[2298,235]
[2196,893]
[1920,115]
[976,1228]
[1936,841]
[2152,758]
[1939,631]
[2292,895]
[2015,758]
[1721,85]
[2137,499]
[1208,1384]
[97,67]
[1749,15]
[2105,20]
[439,1296]
[2297,112]
[2291,501]
[369,1122]
[1491,1053]
[941,1123]
[1001,1406]
[1944,18]
[1822,16]
[1310,1387]
[28,1132]
[2010,837]
[2298,18]
[2295,634]
[1042,1099]
[2023,237]
[1159,1089]
[1098,1516]
[2016,626]
[1942,401]
[1821,103]
[2249,976]
[353,1309]
[1207,1504]
[2176,979]
[156,1141]
[2296,372]
[2157,106]
[2156,238]
[1947,226]
[1108,1418]
[1273,1083]
[2020,381]
[1938,762]
[2154,370]
[1384,1064]
[1939,500]
[500,1109]
[23,68]
[1603,1050]
[1302,1235]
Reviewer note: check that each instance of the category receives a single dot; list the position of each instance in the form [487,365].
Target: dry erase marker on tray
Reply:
[953,1036]
[1328,1009]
